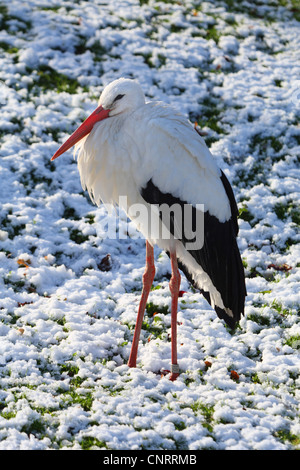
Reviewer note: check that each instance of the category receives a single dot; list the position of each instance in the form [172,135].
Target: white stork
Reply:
[151,154]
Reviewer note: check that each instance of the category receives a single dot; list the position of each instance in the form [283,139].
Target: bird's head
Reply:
[120,96]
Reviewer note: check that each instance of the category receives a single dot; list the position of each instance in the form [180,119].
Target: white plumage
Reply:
[151,154]
[137,145]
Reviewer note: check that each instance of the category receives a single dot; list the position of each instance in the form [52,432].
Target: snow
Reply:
[66,322]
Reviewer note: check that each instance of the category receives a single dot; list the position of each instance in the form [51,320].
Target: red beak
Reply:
[83,130]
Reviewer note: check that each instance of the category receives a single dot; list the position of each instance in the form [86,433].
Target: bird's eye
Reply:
[118,97]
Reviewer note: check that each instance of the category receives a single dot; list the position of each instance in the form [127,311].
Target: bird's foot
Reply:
[173,373]
[174,377]
[131,363]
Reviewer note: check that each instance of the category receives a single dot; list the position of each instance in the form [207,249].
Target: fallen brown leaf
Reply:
[23,263]
[234,375]
[280,267]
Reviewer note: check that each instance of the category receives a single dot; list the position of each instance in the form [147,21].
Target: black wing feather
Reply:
[219,257]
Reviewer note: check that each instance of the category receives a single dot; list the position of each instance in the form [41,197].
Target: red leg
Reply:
[148,277]
[174,289]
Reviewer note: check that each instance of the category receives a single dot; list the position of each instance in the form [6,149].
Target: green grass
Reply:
[278,307]
[252,8]
[8,48]
[37,428]
[49,79]
[70,369]
[283,211]
[255,379]
[260,143]
[21,24]
[213,33]
[88,441]
[210,115]
[54,8]
[16,285]
[151,309]
[90,218]
[96,49]
[293,6]
[153,328]
[259,319]
[286,436]
[206,411]
[147,58]
[84,400]
[245,214]
[78,237]
[293,342]
[70,213]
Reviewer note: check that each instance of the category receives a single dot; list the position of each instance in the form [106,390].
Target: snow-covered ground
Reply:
[67,310]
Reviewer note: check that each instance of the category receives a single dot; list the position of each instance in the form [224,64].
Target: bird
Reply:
[146,157]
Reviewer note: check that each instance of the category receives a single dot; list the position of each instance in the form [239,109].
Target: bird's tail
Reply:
[230,285]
